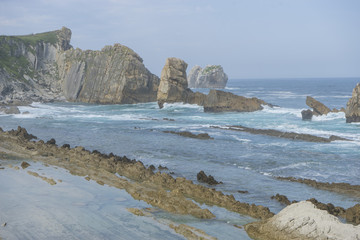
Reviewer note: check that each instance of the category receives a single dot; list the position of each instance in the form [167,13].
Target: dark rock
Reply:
[25,165]
[243,192]
[276,133]
[353,214]
[330,208]
[282,199]
[203,136]
[307,114]
[202,177]
[51,142]
[152,168]
[66,146]
[162,167]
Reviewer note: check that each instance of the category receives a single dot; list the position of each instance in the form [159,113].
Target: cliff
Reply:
[45,67]
[212,76]
[352,112]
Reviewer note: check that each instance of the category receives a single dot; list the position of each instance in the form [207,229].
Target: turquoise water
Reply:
[241,160]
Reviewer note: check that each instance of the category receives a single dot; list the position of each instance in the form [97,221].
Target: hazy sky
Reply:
[249,38]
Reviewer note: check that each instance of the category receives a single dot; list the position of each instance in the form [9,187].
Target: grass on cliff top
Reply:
[32,39]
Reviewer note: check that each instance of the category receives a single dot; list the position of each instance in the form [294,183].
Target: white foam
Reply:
[279,110]
[329,117]
[240,139]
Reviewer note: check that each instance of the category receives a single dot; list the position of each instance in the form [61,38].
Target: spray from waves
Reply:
[279,110]
[181,107]
[329,117]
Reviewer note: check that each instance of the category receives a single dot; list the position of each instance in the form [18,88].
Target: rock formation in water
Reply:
[302,221]
[352,112]
[173,85]
[174,88]
[45,67]
[212,76]
[318,109]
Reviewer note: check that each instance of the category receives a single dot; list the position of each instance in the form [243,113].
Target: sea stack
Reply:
[173,85]
[352,112]
[212,76]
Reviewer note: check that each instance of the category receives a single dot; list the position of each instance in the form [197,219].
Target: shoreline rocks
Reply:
[318,109]
[352,112]
[212,76]
[202,177]
[202,136]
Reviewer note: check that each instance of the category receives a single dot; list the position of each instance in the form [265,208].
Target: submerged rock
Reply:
[212,76]
[203,136]
[352,112]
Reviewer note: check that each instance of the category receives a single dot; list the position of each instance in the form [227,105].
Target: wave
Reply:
[329,117]
[279,110]
[181,107]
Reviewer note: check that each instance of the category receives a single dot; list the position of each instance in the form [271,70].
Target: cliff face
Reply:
[352,112]
[45,67]
[212,76]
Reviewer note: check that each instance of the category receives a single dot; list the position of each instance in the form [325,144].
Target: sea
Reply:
[79,209]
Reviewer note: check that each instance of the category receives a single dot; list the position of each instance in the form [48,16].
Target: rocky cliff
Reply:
[45,67]
[212,76]
[352,112]
[174,88]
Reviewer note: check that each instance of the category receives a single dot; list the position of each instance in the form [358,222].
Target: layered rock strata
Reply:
[302,221]
[352,112]
[45,67]
[158,189]
[212,76]
[174,88]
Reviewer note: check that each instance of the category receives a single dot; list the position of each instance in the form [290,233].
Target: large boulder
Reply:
[220,101]
[318,107]
[302,221]
[212,76]
[173,85]
[307,114]
[352,112]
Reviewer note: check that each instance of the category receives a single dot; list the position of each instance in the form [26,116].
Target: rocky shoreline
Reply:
[161,190]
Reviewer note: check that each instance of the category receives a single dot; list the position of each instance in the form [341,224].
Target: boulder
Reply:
[302,221]
[318,107]
[10,110]
[353,214]
[306,114]
[173,85]
[212,76]
[352,112]
[220,101]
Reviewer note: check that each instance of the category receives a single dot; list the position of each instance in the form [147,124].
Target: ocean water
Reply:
[240,160]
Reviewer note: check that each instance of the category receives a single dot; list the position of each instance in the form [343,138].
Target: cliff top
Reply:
[61,36]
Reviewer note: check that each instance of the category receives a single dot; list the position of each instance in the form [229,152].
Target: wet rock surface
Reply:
[289,135]
[158,189]
[282,199]
[307,114]
[203,136]
[202,177]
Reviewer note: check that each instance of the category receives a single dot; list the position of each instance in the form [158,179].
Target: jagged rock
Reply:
[25,165]
[281,198]
[353,214]
[202,177]
[220,101]
[330,208]
[44,67]
[306,114]
[173,85]
[212,76]
[352,112]
[318,107]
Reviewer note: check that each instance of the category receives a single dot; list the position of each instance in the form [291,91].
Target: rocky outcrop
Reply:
[174,88]
[45,67]
[173,85]
[220,101]
[352,112]
[280,134]
[302,221]
[353,214]
[212,76]
[318,109]
[10,110]
[202,177]
[202,136]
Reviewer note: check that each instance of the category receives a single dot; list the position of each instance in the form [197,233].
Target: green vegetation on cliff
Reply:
[208,69]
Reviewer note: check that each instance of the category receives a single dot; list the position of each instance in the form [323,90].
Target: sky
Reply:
[249,38]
